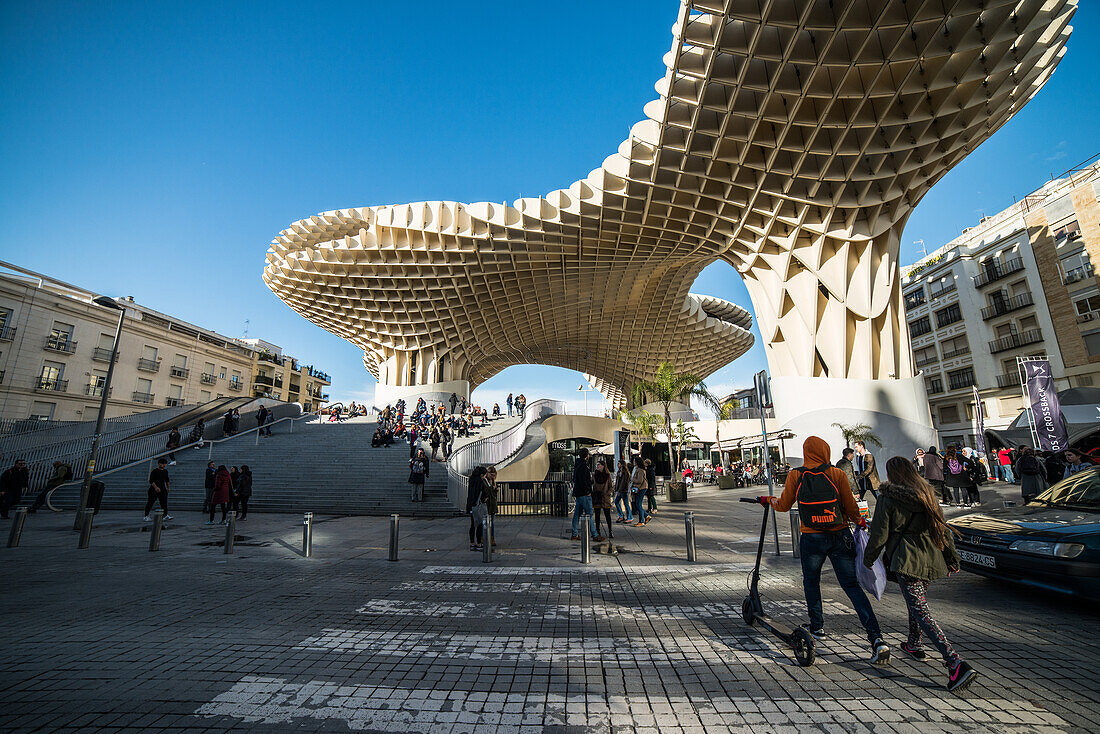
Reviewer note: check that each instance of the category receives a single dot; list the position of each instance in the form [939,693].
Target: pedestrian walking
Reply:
[1032,473]
[434,439]
[601,499]
[509,401]
[845,465]
[236,421]
[933,474]
[244,492]
[582,491]
[651,489]
[866,471]
[475,506]
[227,423]
[159,484]
[490,499]
[917,548]
[173,443]
[62,473]
[623,505]
[14,482]
[223,489]
[418,472]
[454,402]
[639,484]
[197,431]
[261,419]
[824,501]
[957,474]
[208,482]
[1004,459]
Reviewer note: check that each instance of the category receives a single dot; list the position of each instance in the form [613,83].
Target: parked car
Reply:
[1051,543]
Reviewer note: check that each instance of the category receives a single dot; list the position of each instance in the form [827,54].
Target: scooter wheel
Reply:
[746,611]
[803,643]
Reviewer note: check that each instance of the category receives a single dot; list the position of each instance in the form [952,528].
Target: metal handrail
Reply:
[159,437]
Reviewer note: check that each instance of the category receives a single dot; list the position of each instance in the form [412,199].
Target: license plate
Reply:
[978,559]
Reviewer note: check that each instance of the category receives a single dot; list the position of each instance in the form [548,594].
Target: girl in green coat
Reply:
[909,531]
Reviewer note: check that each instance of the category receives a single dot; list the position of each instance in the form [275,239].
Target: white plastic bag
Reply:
[873,580]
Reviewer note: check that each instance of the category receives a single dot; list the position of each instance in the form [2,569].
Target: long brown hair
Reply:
[900,471]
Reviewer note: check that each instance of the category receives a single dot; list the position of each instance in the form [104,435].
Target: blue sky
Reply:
[154,150]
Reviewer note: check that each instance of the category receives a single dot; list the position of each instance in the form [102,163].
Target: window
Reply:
[1092,344]
[955,347]
[1088,309]
[96,383]
[148,352]
[948,315]
[914,298]
[412,368]
[208,368]
[949,413]
[1029,322]
[204,396]
[959,379]
[925,355]
[920,327]
[221,375]
[934,385]
[50,378]
[1076,267]
[42,411]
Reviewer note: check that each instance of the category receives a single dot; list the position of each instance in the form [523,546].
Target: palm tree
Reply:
[683,434]
[722,411]
[667,387]
[857,432]
[644,424]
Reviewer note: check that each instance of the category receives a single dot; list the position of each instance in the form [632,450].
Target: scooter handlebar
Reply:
[750,500]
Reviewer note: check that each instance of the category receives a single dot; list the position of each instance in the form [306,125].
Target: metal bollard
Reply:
[307,535]
[796,534]
[17,526]
[230,532]
[586,539]
[394,520]
[154,535]
[486,541]
[86,528]
[689,529]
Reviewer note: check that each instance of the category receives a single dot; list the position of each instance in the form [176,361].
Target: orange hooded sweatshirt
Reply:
[815,452]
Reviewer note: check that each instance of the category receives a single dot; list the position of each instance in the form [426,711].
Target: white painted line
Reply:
[581,610]
[685,569]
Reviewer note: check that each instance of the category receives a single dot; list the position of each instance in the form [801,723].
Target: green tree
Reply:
[683,434]
[722,411]
[644,425]
[857,432]
[667,387]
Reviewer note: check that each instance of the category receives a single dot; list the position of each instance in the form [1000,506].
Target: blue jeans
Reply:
[840,548]
[1006,472]
[623,506]
[639,506]
[584,507]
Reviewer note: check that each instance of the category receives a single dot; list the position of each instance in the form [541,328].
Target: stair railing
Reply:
[493,449]
[142,445]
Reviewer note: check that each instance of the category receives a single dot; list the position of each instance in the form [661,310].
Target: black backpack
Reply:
[819,505]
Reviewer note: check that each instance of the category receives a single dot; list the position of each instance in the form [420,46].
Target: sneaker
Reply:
[147,518]
[647,520]
[961,677]
[209,522]
[598,538]
[574,537]
[167,517]
[818,634]
[473,546]
[880,652]
[913,651]
[638,524]
[171,463]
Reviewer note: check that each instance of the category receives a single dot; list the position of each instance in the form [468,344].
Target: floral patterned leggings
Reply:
[920,619]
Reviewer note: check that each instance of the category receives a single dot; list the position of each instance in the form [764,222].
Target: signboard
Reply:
[979,418]
[622,446]
[1045,409]
[763,389]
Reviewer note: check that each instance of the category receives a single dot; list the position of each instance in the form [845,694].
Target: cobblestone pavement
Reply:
[188,639]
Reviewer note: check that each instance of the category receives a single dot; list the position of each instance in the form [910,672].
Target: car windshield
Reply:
[1083,488]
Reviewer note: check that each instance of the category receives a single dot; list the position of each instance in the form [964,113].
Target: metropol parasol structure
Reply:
[791,139]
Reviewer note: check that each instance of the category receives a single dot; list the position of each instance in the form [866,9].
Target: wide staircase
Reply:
[320,467]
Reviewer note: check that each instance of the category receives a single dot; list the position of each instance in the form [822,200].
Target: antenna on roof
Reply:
[246,322]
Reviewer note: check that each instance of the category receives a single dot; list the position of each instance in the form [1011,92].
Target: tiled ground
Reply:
[114,638]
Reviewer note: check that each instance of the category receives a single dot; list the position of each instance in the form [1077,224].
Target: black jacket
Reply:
[475,493]
[582,479]
[244,484]
[651,479]
[210,477]
[14,481]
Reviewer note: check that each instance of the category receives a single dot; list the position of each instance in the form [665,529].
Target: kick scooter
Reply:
[752,610]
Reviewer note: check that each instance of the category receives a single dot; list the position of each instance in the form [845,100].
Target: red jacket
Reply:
[223,485]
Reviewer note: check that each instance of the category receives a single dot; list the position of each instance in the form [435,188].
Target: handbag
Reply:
[873,579]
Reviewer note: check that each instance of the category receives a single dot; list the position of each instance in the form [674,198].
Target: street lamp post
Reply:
[89,470]
[581,388]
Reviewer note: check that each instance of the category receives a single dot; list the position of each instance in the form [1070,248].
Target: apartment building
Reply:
[55,346]
[1019,284]
[280,376]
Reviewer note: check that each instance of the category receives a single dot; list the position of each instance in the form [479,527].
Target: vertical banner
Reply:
[1045,408]
[979,418]
[622,446]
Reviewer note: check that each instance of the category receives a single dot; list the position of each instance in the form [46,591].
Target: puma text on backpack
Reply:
[819,505]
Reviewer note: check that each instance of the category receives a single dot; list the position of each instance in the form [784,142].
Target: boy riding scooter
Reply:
[826,504]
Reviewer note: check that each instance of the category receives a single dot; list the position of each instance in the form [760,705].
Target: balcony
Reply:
[62,344]
[143,397]
[957,352]
[148,365]
[278,382]
[50,384]
[95,390]
[180,373]
[102,354]
[173,402]
[925,361]
[1072,276]
[993,273]
[958,382]
[207,379]
[1011,379]
[914,300]
[263,380]
[1013,341]
[7,333]
[935,389]
[947,288]
[235,385]
[268,357]
[1006,305]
